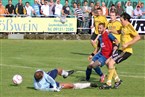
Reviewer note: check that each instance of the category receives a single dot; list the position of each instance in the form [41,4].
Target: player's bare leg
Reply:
[64,73]
[97,65]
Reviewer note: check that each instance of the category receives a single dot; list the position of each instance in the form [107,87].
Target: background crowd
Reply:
[83,11]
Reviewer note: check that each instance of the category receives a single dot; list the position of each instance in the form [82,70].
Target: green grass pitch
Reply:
[25,56]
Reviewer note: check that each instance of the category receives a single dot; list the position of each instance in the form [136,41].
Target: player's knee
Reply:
[59,71]
[89,66]
[111,64]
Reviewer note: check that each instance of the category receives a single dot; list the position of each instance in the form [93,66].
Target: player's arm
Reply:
[112,38]
[115,31]
[133,41]
[135,36]
[94,52]
[51,81]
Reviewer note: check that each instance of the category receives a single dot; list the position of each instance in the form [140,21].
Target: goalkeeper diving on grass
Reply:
[46,81]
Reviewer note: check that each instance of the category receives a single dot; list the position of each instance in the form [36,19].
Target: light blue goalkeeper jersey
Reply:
[45,82]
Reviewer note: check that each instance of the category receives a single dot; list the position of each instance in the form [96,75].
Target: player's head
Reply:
[113,15]
[125,18]
[99,11]
[101,28]
[38,75]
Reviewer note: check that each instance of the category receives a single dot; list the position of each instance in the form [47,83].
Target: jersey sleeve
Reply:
[111,37]
[51,80]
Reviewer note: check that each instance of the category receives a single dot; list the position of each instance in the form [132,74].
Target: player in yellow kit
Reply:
[98,18]
[114,27]
[129,36]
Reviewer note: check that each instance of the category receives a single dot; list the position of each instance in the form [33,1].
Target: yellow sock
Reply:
[110,75]
[115,76]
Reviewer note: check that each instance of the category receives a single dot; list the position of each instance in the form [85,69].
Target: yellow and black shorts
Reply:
[120,56]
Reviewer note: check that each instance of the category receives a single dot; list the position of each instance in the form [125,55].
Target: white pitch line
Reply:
[16,66]
[132,76]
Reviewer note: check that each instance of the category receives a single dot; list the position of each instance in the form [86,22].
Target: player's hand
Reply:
[56,89]
[115,47]
[124,46]
[90,58]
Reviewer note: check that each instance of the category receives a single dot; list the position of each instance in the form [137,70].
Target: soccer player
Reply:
[98,18]
[103,51]
[46,81]
[114,27]
[129,36]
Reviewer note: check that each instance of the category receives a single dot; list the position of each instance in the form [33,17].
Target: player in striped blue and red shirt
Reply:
[102,52]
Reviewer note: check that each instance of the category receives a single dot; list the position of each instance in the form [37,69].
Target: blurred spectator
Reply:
[2,9]
[143,10]
[37,8]
[42,2]
[97,5]
[137,13]
[20,9]
[91,6]
[112,9]
[29,9]
[57,9]
[119,9]
[66,9]
[91,23]
[86,11]
[51,5]
[80,18]
[104,9]
[129,8]
[45,9]
[10,8]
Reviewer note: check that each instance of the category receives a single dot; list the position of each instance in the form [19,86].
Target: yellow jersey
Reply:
[127,34]
[115,25]
[99,19]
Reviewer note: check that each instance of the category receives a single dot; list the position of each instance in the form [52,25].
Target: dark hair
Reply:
[113,12]
[91,2]
[75,3]
[38,75]
[125,16]
[103,24]
[99,8]
[78,4]
[112,5]
[27,2]
[85,1]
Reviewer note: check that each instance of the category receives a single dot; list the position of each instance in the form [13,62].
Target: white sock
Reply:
[81,85]
[64,73]
[117,79]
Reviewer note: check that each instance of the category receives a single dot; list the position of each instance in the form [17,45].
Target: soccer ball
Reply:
[17,79]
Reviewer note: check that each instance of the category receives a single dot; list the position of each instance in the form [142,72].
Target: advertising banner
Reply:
[37,25]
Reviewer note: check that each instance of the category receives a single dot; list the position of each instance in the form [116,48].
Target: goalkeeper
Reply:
[46,81]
